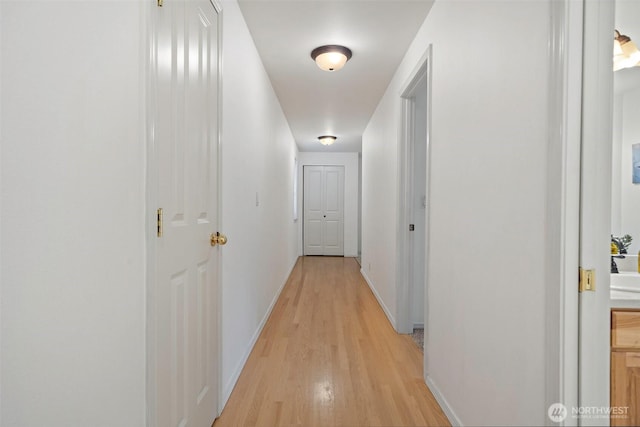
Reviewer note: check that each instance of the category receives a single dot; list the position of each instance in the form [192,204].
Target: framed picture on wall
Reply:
[635,149]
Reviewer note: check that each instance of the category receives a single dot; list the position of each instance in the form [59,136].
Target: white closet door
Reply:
[324,210]
[313,213]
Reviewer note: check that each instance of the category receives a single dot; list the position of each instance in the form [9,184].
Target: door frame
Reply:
[580,55]
[595,208]
[404,241]
[563,205]
[152,192]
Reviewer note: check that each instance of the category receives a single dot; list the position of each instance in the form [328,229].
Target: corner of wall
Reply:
[227,388]
[442,401]
[386,309]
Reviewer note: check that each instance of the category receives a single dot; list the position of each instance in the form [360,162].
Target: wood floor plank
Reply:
[328,356]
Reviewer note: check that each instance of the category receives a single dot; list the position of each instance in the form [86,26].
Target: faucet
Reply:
[614,266]
[619,247]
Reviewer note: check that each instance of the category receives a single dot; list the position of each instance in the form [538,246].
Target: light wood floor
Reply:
[329,357]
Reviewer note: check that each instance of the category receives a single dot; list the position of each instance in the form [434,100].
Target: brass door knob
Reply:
[222,239]
[218,239]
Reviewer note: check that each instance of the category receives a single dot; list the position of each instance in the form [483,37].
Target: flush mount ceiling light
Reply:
[327,139]
[331,57]
[625,52]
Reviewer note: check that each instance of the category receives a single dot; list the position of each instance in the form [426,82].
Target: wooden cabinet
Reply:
[625,366]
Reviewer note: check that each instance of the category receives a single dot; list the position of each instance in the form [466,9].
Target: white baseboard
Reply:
[386,310]
[228,388]
[446,408]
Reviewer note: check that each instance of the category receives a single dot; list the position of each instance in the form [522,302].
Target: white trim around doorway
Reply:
[563,205]
[405,212]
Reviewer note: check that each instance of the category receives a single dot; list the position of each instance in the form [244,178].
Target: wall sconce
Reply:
[331,57]
[625,52]
[327,139]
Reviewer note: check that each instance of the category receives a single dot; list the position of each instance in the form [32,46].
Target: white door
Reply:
[184,383]
[323,210]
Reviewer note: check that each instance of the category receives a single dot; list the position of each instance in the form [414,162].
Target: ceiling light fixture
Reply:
[327,139]
[625,52]
[331,57]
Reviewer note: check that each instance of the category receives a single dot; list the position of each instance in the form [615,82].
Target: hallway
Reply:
[328,356]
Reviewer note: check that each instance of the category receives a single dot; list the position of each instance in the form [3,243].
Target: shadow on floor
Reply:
[418,337]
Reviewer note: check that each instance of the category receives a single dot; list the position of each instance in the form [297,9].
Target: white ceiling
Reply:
[341,103]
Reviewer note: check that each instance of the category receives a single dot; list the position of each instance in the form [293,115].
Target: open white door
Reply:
[595,209]
[183,312]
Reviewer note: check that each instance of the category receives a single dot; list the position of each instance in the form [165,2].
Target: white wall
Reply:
[258,152]
[351,194]
[485,314]
[359,203]
[617,169]
[73,214]
[379,199]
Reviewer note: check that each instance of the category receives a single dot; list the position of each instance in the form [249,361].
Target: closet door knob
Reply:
[218,239]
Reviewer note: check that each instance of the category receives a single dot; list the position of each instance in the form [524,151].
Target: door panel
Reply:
[331,234]
[313,182]
[323,210]
[185,55]
[313,237]
[313,216]
[333,208]
[332,196]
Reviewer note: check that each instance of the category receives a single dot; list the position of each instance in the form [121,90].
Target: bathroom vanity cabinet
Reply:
[625,366]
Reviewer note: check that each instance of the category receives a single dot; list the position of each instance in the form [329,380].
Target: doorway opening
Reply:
[413,218]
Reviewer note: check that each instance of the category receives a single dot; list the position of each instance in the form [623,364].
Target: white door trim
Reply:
[422,71]
[595,208]
[151,222]
[563,205]
[579,176]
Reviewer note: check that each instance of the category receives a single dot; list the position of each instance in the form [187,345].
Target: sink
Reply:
[629,263]
[627,281]
[625,286]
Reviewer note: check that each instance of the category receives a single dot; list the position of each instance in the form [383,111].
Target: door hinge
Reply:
[587,280]
[412,227]
[159,222]
[160,2]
